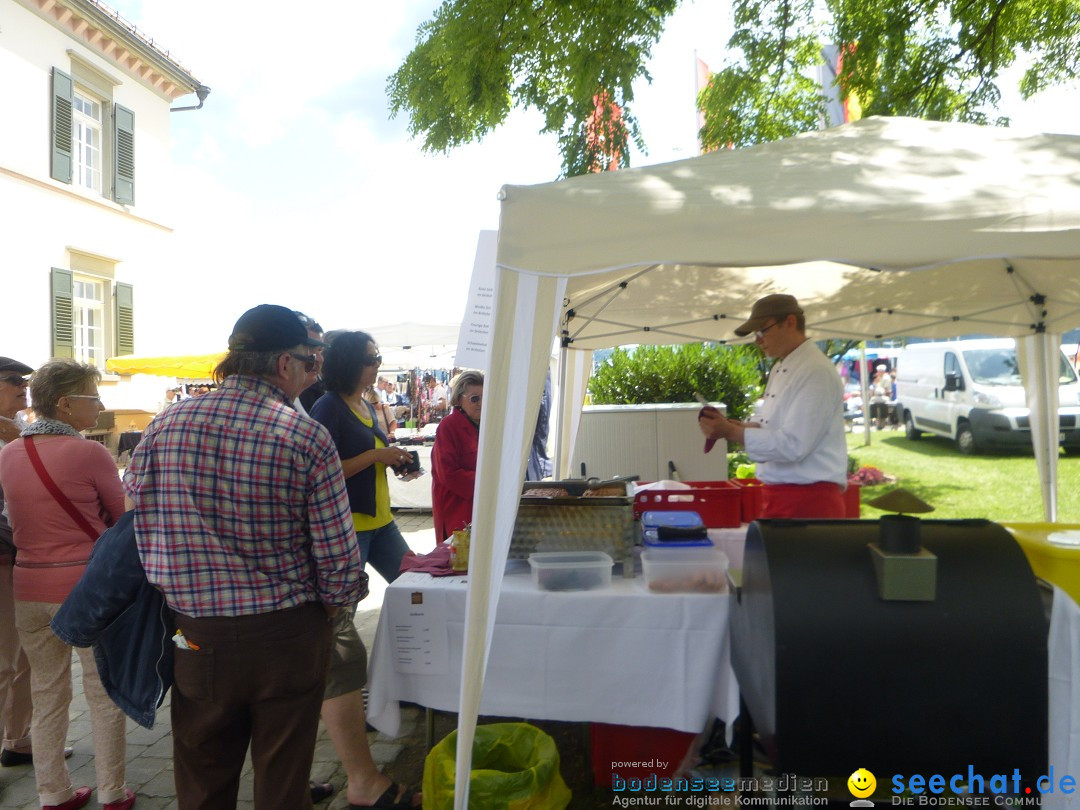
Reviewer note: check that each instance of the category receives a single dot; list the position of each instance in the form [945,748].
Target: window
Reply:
[92,315]
[88,316]
[88,156]
[92,140]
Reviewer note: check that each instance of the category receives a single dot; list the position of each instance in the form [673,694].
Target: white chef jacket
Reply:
[801,438]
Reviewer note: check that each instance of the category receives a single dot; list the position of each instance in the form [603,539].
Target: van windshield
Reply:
[1000,367]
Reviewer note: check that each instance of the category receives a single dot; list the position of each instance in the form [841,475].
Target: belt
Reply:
[21,564]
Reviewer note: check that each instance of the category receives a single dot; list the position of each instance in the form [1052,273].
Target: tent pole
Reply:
[559,419]
[865,382]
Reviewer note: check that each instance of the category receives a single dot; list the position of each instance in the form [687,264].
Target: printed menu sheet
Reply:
[418,625]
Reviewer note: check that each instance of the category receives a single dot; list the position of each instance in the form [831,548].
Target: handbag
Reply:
[54,490]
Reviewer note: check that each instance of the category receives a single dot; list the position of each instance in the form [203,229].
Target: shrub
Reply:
[654,374]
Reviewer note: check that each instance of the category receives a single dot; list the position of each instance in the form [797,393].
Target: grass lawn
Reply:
[999,486]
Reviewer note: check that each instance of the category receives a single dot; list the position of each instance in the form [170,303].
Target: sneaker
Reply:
[81,797]
[125,803]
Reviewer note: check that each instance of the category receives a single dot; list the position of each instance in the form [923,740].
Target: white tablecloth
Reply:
[1065,687]
[618,655]
[415,494]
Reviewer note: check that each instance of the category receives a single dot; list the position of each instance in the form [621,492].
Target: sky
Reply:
[294,186]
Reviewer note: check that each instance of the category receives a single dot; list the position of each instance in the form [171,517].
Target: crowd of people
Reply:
[255,510]
[252,521]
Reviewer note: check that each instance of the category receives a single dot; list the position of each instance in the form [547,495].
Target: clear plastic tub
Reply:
[684,570]
[571,570]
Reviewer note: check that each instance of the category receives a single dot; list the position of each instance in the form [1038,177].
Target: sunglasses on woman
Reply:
[372,360]
[475,398]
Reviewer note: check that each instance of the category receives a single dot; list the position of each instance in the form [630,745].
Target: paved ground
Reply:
[149,753]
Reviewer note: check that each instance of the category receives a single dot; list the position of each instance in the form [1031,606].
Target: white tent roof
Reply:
[985,210]
[882,227]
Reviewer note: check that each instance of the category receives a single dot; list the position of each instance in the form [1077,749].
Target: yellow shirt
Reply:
[382,516]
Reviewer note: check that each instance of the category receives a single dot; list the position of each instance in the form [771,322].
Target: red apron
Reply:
[820,500]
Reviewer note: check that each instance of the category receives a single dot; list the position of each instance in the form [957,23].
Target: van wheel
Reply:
[965,439]
[910,431]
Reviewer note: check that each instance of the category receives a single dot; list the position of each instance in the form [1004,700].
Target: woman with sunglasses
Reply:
[453,457]
[62,492]
[350,366]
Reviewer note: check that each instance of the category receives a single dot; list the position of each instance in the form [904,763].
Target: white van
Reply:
[970,391]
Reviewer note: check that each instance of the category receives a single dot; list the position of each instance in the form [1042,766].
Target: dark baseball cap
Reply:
[268,328]
[777,305]
[7,364]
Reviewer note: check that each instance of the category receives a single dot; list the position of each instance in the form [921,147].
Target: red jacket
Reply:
[453,473]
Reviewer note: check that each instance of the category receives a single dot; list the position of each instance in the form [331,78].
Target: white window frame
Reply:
[88,135]
[90,318]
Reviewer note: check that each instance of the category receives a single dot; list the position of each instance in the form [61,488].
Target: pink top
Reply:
[46,534]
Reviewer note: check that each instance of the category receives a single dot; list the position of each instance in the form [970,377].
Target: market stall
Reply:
[880,228]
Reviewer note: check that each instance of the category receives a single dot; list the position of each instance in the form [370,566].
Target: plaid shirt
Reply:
[241,505]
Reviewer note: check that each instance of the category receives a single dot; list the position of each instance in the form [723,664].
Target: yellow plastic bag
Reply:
[515,767]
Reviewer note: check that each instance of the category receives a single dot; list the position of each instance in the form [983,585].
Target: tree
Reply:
[571,59]
[477,59]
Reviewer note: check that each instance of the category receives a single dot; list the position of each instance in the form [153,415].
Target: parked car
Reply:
[971,391]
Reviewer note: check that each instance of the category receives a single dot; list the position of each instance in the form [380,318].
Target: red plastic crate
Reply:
[612,747]
[750,502]
[716,501]
[749,498]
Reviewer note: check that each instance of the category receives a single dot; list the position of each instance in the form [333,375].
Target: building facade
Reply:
[85,176]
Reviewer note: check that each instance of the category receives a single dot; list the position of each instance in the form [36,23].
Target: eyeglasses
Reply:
[16,380]
[309,360]
[97,399]
[475,398]
[372,360]
[760,333]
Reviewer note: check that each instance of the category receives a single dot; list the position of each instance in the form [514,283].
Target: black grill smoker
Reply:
[836,676]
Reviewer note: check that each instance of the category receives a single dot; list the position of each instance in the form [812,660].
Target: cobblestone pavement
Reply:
[149,753]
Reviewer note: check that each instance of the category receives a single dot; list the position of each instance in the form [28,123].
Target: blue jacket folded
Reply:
[125,618]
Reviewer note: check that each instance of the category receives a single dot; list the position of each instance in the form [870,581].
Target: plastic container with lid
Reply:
[697,569]
[673,529]
[571,570]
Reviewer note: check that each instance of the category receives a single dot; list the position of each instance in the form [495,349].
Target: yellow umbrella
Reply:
[193,366]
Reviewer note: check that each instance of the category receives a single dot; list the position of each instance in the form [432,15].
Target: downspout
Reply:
[202,91]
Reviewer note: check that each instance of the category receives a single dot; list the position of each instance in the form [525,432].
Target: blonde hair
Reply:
[462,381]
[58,378]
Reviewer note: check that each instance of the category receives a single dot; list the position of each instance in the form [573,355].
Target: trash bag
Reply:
[515,766]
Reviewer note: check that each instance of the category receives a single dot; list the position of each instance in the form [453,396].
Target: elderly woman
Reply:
[62,492]
[453,458]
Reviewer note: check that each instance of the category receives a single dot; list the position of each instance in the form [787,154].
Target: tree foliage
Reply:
[938,61]
[475,60]
[655,374]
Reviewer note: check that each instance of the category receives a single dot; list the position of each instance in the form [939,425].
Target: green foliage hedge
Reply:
[730,375]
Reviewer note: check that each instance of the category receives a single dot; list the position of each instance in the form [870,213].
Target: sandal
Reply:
[321,791]
[396,796]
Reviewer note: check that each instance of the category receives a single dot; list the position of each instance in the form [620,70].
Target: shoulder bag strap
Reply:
[54,490]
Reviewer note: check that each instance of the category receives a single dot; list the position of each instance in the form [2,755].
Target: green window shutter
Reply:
[63,316]
[124,150]
[62,144]
[125,319]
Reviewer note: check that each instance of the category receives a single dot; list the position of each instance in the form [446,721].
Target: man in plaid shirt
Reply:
[243,523]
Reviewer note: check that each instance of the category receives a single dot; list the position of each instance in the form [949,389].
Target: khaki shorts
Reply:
[348,658]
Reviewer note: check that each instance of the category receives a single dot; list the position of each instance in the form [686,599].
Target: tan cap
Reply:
[776,305]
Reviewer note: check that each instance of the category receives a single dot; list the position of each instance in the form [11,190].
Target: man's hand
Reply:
[713,423]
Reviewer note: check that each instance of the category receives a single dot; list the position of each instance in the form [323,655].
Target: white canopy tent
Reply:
[880,228]
[416,345]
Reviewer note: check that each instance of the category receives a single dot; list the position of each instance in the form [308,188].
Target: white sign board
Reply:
[473,347]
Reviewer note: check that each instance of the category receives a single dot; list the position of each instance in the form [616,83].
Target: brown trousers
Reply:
[255,679]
